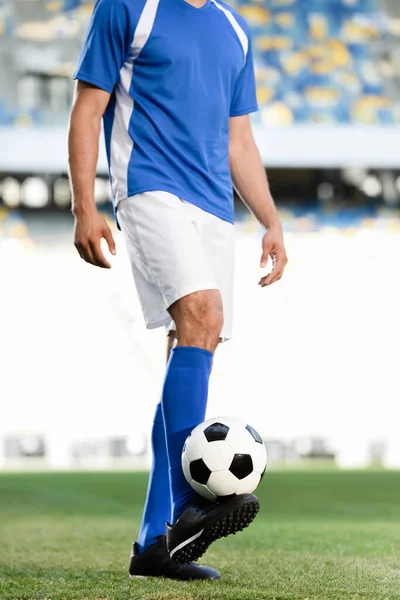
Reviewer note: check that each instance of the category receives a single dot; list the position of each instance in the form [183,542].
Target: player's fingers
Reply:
[108,236]
[98,257]
[278,269]
[84,252]
[267,249]
[79,248]
[277,272]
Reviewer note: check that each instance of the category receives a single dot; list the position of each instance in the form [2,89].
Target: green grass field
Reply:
[320,535]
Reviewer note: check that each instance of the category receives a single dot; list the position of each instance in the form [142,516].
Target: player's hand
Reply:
[89,230]
[274,247]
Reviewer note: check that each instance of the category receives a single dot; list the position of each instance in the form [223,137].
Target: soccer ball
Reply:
[224,456]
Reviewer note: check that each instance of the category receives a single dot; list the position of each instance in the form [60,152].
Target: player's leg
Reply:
[156,228]
[150,556]
[194,315]
[199,319]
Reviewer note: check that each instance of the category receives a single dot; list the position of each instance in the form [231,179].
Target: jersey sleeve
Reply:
[244,98]
[106,45]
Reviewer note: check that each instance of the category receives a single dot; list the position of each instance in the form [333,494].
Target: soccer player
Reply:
[173,81]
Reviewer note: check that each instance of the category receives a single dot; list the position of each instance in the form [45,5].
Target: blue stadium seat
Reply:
[7,22]
[6,114]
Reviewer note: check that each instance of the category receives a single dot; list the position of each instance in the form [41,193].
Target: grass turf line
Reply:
[319,536]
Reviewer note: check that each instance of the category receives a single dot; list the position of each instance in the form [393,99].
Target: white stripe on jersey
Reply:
[239,31]
[144,26]
[121,144]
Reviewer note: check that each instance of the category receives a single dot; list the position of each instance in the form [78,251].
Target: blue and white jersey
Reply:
[176,74]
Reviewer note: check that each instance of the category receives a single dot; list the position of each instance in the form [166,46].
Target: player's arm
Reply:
[248,174]
[250,182]
[104,52]
[88,108]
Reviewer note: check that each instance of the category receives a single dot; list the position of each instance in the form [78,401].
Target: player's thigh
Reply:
[167,245]
[202,309]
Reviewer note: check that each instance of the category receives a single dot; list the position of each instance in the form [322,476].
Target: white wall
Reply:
[45,150]
[315,354]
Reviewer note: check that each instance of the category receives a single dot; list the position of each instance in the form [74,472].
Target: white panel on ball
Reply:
[222,483]
[218,456]
[203,490]
[248,484]
[186,468]
[259,457]
[240,440]
[196,444]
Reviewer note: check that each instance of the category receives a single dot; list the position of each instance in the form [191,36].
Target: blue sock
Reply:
[157,510]
[184,403]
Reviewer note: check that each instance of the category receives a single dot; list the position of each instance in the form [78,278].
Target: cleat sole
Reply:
[236,521]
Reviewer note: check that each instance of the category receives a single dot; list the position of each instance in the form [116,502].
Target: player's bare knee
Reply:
[203,329]
[213,323]
[208,329]
[199,319]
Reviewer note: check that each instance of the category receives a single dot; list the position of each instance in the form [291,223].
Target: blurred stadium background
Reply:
[314,361]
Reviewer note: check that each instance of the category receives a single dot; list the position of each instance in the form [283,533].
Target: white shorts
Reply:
[175,249]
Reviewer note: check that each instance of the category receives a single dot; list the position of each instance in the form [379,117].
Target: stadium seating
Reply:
[315,60]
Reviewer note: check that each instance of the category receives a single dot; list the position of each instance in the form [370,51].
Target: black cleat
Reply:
[156,562]
[203,522]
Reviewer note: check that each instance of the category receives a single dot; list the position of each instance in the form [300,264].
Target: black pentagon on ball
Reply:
[257,437]
[216,432]
[241,465]
[199,471]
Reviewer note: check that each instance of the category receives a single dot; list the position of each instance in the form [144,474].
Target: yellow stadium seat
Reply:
[264,94]
[276,114]
[318,26]
[320,51]
[285,20]
[372,102]
[323,67]
[24,121]
[339,53]
[331,50]
[322,97]
[255,15]
[360,32]
[293,63]
[365,110]
[54,6]
[273,43]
